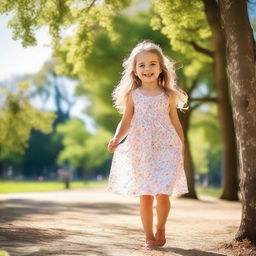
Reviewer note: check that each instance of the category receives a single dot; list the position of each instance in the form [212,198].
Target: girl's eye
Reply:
[153,64]
[141,65]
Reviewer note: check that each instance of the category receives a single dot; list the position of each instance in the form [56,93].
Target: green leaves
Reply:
[86,18]
[17,118]
[185,24]
[82,149]
[205,140]
[96,148]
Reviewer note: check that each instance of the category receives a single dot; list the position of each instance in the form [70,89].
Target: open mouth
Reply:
[148,74]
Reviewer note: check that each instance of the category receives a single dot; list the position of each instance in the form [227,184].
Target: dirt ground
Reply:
[96,222]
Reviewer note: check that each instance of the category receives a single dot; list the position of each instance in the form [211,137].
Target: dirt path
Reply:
[96,222]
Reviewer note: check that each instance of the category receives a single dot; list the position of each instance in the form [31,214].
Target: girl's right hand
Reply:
[112,145]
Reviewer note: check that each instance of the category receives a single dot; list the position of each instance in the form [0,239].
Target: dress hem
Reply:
[149,194]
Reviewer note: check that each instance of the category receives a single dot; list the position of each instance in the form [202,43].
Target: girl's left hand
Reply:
[113,143]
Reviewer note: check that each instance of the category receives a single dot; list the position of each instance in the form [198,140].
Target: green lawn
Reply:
[216,192]
[34,186]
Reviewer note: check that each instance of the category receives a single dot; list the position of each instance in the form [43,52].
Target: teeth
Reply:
[148,75]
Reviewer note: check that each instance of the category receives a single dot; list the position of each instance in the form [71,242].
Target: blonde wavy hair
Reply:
[166,80]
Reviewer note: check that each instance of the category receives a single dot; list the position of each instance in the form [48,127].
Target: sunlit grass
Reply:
[210,191]
[34,186]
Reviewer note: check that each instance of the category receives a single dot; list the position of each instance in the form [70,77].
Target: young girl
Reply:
[150,161]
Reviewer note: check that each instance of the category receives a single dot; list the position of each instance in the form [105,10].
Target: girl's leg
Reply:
[162,209]
[146,213]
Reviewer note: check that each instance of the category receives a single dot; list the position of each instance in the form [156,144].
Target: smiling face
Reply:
[147,68]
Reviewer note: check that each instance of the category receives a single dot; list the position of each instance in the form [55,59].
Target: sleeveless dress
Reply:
[149,161]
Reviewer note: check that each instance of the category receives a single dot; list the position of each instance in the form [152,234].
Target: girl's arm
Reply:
[124,124]
[175,118]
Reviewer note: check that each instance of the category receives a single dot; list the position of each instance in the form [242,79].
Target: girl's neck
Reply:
[150,86]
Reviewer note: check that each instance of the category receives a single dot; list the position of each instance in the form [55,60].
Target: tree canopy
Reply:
[17,118]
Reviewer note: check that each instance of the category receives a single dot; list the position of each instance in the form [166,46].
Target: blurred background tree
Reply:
[17,119]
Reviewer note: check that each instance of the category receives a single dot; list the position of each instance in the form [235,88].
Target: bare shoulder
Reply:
[129,99]
[129,108]
[129,104]
[172,98]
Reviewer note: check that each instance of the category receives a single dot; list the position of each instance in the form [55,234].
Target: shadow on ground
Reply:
[14,209]
[46,227]
[189,252]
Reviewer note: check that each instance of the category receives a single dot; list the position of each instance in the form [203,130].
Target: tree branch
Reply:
[91,4]
[206,99]
[195,106]
[198,48]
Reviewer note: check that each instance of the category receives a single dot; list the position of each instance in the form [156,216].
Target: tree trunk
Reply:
[188,163]
[241,70]
[230,179]
[67,183]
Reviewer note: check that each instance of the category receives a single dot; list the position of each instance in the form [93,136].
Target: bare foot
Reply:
[150,243]
[160,237]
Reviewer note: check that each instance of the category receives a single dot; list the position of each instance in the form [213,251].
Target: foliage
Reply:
[49,92]
[82,149]
[74,25]
[41,154]
[185,24]
[96,148]
[74,139]
[84,17]
[17,118]
[205,129]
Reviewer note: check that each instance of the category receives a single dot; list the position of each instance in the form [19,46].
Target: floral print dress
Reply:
[149,161]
